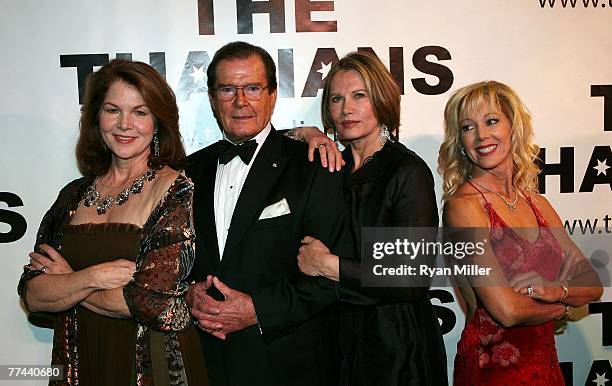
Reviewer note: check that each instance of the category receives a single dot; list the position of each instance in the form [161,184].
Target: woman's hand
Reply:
[541,289]
[63,288]
[112,274]
[331,157]
[52,263]
[315,259]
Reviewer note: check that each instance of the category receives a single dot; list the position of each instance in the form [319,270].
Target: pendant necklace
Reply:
[510,205]
[92,194]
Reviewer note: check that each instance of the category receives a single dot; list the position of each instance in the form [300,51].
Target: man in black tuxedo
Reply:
[256,196]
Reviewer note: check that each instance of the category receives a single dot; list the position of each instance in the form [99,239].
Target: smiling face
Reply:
[126,123]
[351,109]
[486,136]
[240,118]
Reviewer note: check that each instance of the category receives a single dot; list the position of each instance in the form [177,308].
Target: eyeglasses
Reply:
[251,92]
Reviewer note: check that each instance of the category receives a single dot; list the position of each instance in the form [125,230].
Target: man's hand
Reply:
[221,318]
[202,304]
[197,290]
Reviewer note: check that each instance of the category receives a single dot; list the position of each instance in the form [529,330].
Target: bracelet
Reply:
[565,292]
[291,133]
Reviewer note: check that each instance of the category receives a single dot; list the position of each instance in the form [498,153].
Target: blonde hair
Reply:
[455,168]
[383,92]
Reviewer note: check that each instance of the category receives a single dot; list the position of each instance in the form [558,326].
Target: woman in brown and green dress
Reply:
[113,253]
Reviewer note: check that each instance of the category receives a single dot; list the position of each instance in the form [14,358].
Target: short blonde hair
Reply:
[384,93]
[455,168]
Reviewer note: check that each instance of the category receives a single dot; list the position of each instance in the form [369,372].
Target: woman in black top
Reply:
[388,336]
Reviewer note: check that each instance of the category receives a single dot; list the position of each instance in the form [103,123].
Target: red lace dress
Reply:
[489,354]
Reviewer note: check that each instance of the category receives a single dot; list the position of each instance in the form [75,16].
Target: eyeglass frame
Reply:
[236,88]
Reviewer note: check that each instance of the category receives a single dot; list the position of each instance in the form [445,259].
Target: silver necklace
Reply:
[92,194]
[510,205]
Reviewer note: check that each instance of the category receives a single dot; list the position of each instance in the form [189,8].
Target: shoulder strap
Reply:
[493,216]
[478,190]
[539,217]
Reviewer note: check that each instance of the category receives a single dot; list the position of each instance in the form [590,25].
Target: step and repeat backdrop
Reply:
[556,54]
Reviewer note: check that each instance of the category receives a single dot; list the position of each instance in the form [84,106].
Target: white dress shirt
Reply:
[228,185]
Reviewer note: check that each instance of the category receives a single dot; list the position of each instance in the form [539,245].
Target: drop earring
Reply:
[384,135]
[155,144]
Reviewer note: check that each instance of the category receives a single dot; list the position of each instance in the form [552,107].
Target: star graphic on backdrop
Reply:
[602,167]
[324,69]
[601,380]
[198,74]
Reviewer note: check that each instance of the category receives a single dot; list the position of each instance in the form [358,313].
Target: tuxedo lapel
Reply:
[267,168]
[204,205]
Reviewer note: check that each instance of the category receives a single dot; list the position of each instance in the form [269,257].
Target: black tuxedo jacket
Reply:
[296,343]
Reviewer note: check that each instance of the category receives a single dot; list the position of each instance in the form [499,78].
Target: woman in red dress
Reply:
[490,181]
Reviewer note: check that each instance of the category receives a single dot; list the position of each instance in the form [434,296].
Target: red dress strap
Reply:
[541,220]
[493,218]
[478,190]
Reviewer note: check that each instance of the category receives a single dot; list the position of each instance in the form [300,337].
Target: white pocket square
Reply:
[275,210]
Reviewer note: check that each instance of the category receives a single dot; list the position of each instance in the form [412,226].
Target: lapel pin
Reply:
[274,165]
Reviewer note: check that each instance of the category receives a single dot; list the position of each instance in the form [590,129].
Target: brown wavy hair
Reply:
[383,91]
[93,158]
[455,168]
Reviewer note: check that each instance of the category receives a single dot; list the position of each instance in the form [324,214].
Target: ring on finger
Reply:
[530,290]
[44,268]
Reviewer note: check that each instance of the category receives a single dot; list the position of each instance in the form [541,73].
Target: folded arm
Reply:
[56,287]
[505,305]
[108,302]
[576,276]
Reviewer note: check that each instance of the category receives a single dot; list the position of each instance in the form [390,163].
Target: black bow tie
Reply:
[227,151]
